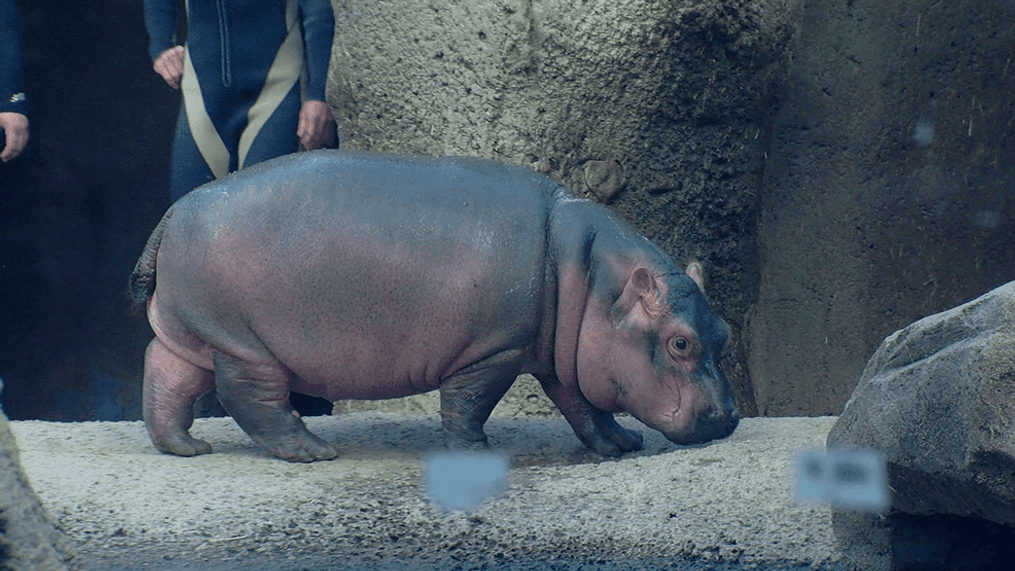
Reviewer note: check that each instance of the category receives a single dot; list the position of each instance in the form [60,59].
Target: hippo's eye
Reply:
[680,346]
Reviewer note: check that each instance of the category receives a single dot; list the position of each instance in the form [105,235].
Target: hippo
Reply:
[355,275]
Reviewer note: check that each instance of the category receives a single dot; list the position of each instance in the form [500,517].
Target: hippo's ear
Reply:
[640,288]
[643,283]
[697,275]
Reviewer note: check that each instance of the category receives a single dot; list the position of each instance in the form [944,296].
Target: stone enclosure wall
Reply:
[658,109]
[842,168]
[888,189]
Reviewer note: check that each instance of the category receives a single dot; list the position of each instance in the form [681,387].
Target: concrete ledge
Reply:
[125,506]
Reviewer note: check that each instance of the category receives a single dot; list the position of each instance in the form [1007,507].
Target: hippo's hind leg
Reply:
[469,396]
[171,385]
[257,397]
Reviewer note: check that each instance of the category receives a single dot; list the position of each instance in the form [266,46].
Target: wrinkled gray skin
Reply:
[368,276]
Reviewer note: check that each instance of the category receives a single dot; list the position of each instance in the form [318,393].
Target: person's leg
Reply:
[277,134]
[188,169]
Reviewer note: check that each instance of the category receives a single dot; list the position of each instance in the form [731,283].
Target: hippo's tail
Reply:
[142,279]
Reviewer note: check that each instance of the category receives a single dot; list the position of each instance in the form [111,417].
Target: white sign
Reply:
[464,480]
[853,478]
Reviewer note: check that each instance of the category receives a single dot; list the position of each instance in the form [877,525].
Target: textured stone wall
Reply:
[888,193]
[658,109]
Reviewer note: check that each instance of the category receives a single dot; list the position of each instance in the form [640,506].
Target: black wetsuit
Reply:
[241,80]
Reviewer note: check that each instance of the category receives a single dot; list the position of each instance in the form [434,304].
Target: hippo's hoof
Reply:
[618,441]
[628,440]
[306,448]
[458,437]
[455,442]
[184,445]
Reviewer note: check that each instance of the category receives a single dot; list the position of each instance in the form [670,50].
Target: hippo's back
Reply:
[381,187]
[398,268]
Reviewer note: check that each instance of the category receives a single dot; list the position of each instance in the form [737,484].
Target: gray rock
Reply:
[28,539]
[938,399]
[605,178]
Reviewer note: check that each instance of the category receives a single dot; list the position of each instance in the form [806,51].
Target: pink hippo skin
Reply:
[367,276]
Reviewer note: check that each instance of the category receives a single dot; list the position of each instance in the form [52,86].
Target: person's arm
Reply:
[316,126]
[13,102]
[160,20]
[318,33]
[167,57]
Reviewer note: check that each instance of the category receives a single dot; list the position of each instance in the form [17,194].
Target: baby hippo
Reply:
[352,275]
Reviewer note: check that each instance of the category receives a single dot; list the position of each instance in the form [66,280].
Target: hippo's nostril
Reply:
[724,424]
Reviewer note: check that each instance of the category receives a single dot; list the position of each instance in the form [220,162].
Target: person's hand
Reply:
[170,66]
[15,125]
[316,126]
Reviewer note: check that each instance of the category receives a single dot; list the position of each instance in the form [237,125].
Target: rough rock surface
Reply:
[887,190]
[657,108]
[127,507]
[28,539]
[938,399]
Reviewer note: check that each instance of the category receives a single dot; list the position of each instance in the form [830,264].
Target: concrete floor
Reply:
[724,505]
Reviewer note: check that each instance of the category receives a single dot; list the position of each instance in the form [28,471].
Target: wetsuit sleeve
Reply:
[318,32]
[160,19]
[12,91]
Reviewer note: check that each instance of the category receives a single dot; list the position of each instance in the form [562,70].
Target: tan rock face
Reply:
[840,168]
[657,108]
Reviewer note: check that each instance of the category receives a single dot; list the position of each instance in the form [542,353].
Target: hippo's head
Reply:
[655,354]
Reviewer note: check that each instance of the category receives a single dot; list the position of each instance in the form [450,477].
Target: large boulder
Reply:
[28,539]
[938,399]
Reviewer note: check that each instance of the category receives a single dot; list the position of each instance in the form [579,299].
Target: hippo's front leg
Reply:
[257,397]
[596,428]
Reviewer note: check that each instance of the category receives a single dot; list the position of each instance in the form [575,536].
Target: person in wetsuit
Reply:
[240,75]
[13,103]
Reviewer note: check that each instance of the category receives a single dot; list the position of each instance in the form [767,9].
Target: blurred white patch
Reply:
[853,479]
[923,134]
[464,480]
[986,219]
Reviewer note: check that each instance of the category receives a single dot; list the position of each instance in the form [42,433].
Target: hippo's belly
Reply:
[396,331]
[355,292]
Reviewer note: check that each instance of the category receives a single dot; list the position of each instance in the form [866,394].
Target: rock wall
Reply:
[843,168]
[659,109]
[887,193]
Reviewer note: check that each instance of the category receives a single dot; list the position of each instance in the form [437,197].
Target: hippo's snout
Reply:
[720,425]
[717,424]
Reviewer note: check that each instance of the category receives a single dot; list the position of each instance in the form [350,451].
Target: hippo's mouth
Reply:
[687,429]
